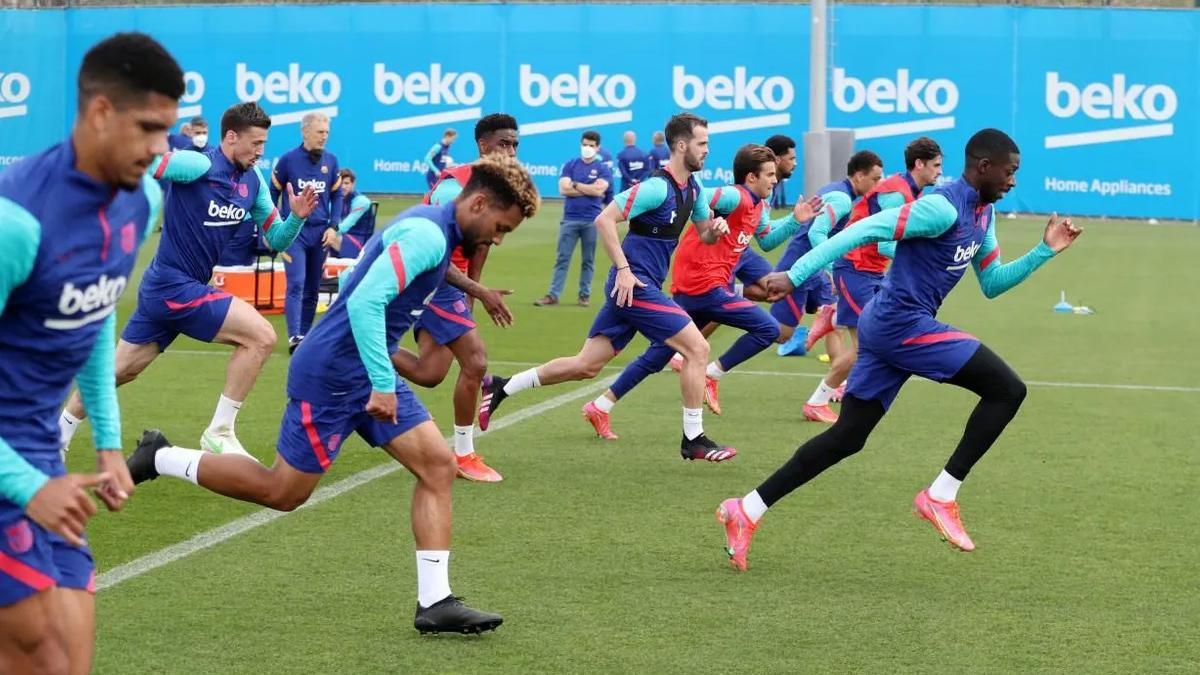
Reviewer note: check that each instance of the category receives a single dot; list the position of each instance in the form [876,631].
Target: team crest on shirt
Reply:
[460,306]
[128,237]
[243,191]
[20,536]
[324,169]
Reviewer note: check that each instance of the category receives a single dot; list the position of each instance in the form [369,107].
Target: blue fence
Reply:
[1092,96]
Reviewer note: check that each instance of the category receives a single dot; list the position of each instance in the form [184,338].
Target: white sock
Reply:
[945,487]
[714,371]
[225,414]
[526,379]
[693,422]
[179,463]
[433,577]
[67,425]
[754,506]
[822,395]
[604,403]
[464,440]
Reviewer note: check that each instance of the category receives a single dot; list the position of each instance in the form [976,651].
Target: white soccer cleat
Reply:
[223,443]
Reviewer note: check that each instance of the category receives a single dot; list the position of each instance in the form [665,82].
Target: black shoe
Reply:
[493,395]
[701,447]
[141,462]
[450,615]
[294,343]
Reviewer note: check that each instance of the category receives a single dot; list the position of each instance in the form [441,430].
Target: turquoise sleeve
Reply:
[772,233]
[446,191]
[181,166]
[358,207]
[834,207]
[886,249]
[411,246]
[927,217]
[723,200]
[98,387]
[22,234]
[996,277]
[154,195]
[429,158]
[890,200]
[700,210]
[645,196]
[279,236]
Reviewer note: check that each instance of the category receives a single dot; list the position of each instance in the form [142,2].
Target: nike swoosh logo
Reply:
[432,560]
[187,473]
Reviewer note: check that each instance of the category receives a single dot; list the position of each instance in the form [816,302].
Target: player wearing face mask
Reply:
[583,183]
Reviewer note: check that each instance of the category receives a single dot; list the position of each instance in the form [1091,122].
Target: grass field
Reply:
[604,557]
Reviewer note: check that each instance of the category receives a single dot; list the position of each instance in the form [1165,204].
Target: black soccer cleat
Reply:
[450,615]
[702,447]
[141,462]
[294,344]
[493,394]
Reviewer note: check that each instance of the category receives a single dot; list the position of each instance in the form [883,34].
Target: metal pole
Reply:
[817,65]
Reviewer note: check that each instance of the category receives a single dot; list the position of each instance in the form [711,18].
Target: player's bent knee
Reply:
[39,649]
[474,367]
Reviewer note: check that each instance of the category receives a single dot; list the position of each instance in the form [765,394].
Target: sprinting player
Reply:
[72,217]
[858,275]
[752,268]
[659,208]
[357,222]
[307,165]
[940,235]
[699,283]
[437,159]
[446,331]
[211,194]
[342,382]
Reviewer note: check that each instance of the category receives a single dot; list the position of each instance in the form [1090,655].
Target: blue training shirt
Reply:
[298,167]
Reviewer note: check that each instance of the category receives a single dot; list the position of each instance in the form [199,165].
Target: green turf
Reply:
[604,557]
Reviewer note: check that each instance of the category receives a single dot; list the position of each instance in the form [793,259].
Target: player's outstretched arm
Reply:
[279,235]
[492,298]
[927,217]
[180,166]
[98,387]
[643,197]
[358,208]
[411,246]
[772,233]
[996,277]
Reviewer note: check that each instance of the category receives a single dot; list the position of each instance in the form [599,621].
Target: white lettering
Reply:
[1118,100]
[581,90]
[756,92]
[293,86]
[902,94]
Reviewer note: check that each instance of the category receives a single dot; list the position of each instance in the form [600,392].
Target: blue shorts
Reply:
[33,559]
[805,299]
[854,290]
[164,310]
[750,268]
[652,314]
[352,245]
[890,353]
[720,305]
[311,434]
[447,316]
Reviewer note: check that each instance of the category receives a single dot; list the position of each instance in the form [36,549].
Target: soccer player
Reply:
[308,165]
[211,194]
[357,223]
[858,275]
[192,136]
[939,236]
[445,332]
[700,279]
[631,162]
[72,218]
[438,158]
[659,208]
[342,382]
[659,154]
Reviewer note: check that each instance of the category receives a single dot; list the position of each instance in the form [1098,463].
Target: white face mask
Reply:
[200,140]
[587,151]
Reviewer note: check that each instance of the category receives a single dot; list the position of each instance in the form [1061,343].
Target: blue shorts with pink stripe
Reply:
[805,299]
[170,304]
[854,290]
[311,434]
[652,314]
[447,316]
[33,559]
[352,245]
[893,348]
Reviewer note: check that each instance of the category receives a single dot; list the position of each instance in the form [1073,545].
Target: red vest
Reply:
[701,267]
[462,174]
[868,258]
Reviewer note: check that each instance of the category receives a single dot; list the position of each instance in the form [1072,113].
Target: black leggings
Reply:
[1000,392]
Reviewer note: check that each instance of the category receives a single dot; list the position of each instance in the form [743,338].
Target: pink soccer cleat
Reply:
[945,519]
[599,421]
[820,413]
[712,395]
[738,532]
[472,467]
[822,326]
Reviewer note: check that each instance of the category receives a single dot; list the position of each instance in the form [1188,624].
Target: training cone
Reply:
[1064,306]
